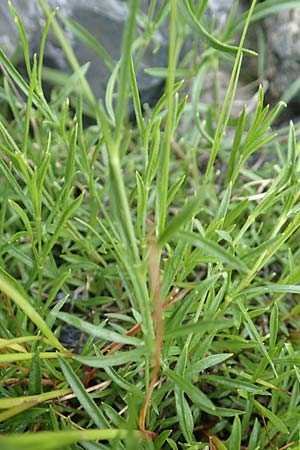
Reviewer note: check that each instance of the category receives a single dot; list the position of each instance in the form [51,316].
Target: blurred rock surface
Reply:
[282,33]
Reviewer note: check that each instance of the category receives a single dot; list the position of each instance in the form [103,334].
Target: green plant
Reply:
[162,240]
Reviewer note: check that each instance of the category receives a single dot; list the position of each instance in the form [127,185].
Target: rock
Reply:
[72,338]
[220,10]
[283,45]
[106,24]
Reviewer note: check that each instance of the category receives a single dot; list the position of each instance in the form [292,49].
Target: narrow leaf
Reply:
[96,331]
[273,418]
[255,335]
[234,441]
[197,396]
[212,249]
[117,359]
[13,290]
[83,396]
[54,440]
[181,218]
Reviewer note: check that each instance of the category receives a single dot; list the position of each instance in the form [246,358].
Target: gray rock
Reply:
[106,24]
[220,10]
[283,44]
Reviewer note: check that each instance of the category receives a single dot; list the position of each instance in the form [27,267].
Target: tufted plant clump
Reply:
[149,265]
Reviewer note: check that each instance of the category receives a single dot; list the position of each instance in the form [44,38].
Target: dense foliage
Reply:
[170,241]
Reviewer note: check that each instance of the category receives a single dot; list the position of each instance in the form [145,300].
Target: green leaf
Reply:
[197,396]
[118,359]
[273,418]
[213,249]
[199,328]
[96,331]
[23,38]
[184,414]
[181,218]
[39,87]
[223,208]
[67,213]
[7,173]
[35,375]
[25,219]
[136,100]
[264,9]
[32,86]
[208,361]
[13,290]
[174,189]
[141,202]
[40,103]
[255,335]
[274,325]
[239,130]
[273,288]
[83,396]
[233,383]
[124,72]
[254,436]
[152,165]
[225,412]
[235,439]
[172,444]
[161,439]
[32,399]
[208,38]
[56,440]
[109,93]
[123,383]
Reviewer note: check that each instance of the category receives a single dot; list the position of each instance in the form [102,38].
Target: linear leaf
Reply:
[35,375]
[213,249]
[270,288]
[255,335]
[235,438]
[181,218]
[208,361]
[83,396]
[207,37]
[117,359]
[274,325]
[35,399]
[233,383]
[199,328]
[54,440]
[185,416]
[62,222]
[14,290]
[274,419]
[96,331]
[197,396]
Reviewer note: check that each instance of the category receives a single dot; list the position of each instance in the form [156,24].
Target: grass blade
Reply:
[13,290]
[54,440]
[197,396]
[83,396]
[213,249]
[96,331]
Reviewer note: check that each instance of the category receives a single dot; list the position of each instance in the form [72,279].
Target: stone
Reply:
[220,10]
[283,45]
